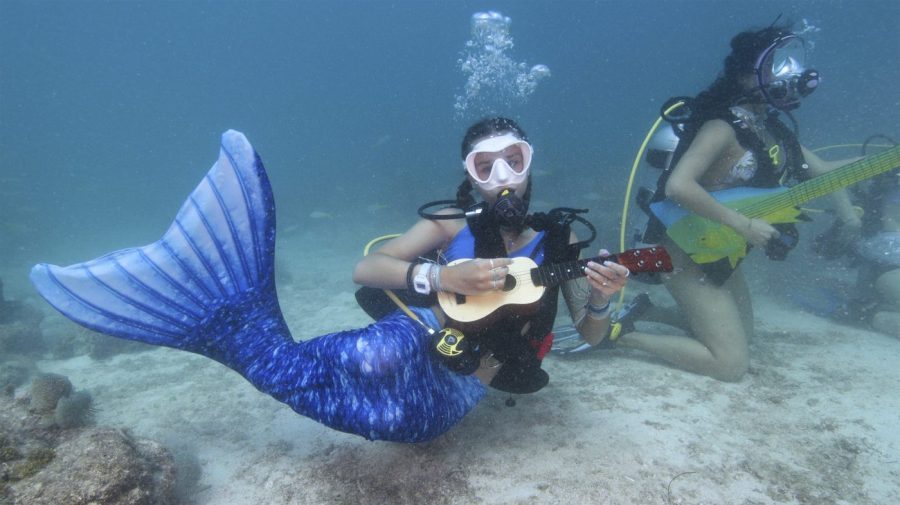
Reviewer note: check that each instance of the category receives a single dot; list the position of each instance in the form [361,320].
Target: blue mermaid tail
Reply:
[208,287]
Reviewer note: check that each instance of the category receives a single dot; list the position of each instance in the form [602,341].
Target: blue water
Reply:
[110,111]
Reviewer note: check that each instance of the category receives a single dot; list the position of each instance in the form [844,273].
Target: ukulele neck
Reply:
[557,273]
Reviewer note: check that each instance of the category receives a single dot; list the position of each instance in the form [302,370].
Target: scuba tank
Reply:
[661,147]
[659,154]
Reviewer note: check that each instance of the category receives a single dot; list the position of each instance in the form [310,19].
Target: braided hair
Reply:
[727,90]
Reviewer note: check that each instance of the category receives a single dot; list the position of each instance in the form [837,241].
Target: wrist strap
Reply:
[596,312]
[409,277]
[436,278]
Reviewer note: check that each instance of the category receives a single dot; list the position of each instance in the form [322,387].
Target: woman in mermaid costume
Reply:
[208,287]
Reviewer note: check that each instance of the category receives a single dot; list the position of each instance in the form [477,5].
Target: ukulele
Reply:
[526,281]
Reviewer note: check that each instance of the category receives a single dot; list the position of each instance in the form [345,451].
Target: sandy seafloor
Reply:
[814,422]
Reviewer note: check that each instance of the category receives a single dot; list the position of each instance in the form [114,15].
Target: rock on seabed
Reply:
[89,465]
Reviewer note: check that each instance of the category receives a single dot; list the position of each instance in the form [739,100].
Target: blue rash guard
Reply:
[520,350]
[208,287]
[463,246]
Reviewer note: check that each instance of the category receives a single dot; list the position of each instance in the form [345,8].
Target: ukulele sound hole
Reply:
[509,283]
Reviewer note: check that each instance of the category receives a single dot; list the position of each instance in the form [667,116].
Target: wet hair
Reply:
[484,128]
[727,89]
[487,127]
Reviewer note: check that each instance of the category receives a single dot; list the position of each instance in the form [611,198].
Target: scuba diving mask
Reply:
[504,162]
[781,73]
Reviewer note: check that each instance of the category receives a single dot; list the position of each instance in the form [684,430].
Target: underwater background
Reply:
[111,111]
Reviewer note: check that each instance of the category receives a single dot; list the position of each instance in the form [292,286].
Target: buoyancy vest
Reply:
[768,174]
[519,340]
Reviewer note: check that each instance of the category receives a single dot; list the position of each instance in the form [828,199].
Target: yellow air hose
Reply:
[840,146]
[394,298]
[623,225]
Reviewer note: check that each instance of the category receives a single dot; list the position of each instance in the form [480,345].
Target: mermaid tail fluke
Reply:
[220,245]
[207,286]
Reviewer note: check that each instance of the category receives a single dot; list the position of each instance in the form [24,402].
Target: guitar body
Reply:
[707,241]
[518,290]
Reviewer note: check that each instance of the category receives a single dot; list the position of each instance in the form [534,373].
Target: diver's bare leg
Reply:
[720,348]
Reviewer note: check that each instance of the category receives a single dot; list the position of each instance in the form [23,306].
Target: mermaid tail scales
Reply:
[207,286]
[379,382]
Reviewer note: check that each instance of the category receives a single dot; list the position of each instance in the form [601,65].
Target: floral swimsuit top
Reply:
[742,171]
[746,166]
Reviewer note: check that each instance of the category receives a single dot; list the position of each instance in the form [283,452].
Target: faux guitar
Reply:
[707,241]
[526,281]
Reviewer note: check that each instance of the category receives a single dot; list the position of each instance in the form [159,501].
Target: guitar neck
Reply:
[848,175]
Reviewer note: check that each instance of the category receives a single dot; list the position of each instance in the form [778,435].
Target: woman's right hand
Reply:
[476,276]
[758,232]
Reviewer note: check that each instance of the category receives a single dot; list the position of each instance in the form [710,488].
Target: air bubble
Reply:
[494,81]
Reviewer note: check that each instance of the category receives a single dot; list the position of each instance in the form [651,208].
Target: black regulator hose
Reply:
[462,214]
[874,137]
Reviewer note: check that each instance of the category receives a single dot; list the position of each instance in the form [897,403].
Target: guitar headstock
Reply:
[644,260]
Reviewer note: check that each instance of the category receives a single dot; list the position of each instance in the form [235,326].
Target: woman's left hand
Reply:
[606,277]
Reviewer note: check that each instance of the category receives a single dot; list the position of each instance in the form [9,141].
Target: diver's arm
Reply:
[818,166]
[578,293]
[683,186]
[841,199]
[386,268]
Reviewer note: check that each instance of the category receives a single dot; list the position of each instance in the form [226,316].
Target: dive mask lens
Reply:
[781,72]
[499,161]
[786,57]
